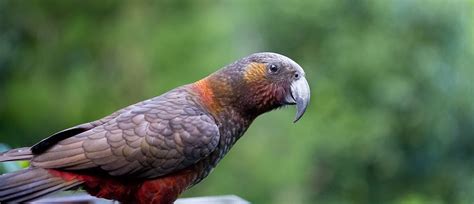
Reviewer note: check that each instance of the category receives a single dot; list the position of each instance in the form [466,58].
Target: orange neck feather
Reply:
[205,91]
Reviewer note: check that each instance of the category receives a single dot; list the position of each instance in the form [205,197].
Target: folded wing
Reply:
[150,139]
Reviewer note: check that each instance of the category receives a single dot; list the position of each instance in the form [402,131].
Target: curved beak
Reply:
[301,94]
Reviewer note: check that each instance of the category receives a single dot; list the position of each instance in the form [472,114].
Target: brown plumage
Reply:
[152,151]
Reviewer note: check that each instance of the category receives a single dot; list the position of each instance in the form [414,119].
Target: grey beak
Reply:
[301,94]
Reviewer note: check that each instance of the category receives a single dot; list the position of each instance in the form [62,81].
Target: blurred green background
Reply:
[392,113]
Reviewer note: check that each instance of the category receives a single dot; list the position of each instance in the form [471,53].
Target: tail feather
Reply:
[29,184]
[19,178]
[23,153]
[46,191]
[23,188]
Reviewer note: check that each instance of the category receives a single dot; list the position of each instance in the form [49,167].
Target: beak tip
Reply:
[299,115]
[300,91]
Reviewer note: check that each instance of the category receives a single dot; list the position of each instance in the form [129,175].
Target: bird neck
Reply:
[225,93]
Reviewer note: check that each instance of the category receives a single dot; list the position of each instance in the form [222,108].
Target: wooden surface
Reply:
[87,199]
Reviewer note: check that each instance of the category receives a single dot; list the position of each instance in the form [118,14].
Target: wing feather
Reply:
[148,139]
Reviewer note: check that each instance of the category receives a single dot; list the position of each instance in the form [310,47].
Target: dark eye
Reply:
[273,68]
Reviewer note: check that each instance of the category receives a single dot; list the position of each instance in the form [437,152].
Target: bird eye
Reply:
[273,68]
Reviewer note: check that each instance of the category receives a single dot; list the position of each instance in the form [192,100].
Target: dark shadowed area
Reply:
[391,118]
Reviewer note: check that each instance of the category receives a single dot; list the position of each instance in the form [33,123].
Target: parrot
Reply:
[154,150]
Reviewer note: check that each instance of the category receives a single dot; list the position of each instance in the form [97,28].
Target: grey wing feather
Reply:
[47,143]
[154,138]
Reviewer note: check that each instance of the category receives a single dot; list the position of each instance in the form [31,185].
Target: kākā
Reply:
[152,151]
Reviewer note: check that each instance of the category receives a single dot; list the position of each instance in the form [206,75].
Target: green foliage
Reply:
[392,112]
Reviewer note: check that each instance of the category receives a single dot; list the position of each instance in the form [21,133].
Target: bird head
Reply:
[259,83]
